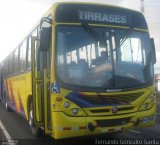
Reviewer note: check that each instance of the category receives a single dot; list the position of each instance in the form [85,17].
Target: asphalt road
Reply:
[14,130]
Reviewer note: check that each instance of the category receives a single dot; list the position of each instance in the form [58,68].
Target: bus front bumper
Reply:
[64,126]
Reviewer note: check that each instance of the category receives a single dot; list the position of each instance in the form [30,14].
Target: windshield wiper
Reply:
[93,34]
[125,36]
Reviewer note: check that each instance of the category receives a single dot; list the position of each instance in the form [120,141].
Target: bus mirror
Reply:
[45,38]
[153,50]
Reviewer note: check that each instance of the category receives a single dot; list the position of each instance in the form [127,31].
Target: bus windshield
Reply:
[123,61]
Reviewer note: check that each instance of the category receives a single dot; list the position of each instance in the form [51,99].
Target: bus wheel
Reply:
[7,108]
[34,129]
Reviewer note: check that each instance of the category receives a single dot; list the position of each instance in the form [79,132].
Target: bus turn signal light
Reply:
[59,99]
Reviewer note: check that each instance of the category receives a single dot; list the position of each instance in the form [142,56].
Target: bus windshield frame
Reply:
[136,69]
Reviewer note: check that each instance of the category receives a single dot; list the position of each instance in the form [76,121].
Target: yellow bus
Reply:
[85,69]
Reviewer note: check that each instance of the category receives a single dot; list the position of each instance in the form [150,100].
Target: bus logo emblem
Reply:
[114,109]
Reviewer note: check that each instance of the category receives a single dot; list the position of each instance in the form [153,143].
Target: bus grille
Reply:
[108,110]
[102,104]
[120,99]
[105,104]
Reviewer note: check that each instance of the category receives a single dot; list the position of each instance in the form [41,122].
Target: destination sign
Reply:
[102,17]
[99,14]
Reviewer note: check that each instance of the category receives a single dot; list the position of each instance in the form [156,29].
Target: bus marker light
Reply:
[59,99]
[54,106]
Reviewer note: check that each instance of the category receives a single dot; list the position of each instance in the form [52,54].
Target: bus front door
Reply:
[41,87]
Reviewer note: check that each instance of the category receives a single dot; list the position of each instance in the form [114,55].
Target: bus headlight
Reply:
[145,105]
[148,103]
[66,104]
[151,98]
[74,111]
[71,108]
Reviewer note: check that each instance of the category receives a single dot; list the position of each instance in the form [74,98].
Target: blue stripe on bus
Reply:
[81,101]
[76,98]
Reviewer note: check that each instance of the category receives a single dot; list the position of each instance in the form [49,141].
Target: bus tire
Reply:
[7,108]
[36,131]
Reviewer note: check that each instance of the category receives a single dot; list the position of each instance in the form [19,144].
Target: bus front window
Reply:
[119,63]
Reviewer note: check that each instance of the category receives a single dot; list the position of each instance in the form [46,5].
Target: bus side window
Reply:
[29,54]
[2,68]
[15,60]
[6,67]
[22,57]
[10,64]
